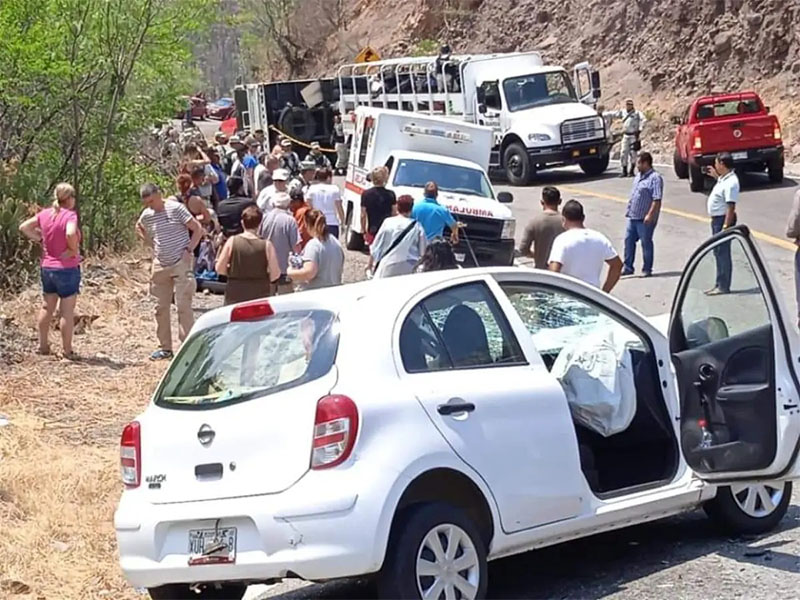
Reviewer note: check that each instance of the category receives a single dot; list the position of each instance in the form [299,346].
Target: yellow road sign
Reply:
[367,55]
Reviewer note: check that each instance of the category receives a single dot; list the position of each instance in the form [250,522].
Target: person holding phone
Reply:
[722,210]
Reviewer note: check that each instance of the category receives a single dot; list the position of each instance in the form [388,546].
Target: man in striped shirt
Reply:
[642,214]
[174,234]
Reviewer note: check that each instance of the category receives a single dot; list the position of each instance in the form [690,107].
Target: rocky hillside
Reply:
[662,53]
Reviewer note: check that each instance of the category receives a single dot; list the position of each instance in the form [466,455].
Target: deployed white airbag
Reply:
[596,373]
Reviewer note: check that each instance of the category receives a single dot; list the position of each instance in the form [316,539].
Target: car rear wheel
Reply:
[750,508]
[517,164]
[775,170]
[697,180]
[680,167]
[435,551]
[228,591]
[595,166]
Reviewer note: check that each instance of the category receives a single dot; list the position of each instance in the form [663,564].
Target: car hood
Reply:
[462,204]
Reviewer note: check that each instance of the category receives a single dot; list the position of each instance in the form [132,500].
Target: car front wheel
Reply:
[435,551]
[750,508]
[229,591]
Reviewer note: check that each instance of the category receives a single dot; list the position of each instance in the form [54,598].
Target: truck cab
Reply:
[738,123]
[541,117]
[418,149]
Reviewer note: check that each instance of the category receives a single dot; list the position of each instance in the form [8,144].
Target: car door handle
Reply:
[454,407]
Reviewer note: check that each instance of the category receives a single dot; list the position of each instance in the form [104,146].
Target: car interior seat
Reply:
[465,337]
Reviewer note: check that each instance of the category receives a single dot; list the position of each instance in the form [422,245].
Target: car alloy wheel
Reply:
[757,500]
[447,564]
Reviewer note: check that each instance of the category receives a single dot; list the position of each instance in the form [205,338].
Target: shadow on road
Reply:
[555,177]
[605,564]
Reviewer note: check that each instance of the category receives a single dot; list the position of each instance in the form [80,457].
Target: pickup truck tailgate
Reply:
[737,132]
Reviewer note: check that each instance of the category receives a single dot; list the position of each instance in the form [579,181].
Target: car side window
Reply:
[741,307]
[468,330]
[558,321]
[492,95]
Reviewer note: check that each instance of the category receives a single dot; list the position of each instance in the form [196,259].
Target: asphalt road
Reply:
[681,557]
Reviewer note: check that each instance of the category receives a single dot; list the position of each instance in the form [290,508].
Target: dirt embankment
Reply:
[662,53]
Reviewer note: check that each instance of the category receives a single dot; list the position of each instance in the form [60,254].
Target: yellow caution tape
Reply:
[298,142]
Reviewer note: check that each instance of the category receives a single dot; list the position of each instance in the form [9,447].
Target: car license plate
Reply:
[460,256]
[739,155]
[212,546]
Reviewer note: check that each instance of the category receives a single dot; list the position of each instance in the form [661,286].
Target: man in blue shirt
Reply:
[433,216]
[642,214]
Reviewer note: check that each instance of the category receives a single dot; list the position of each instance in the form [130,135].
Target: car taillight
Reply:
[130,455]
[335,430]
[250,311]
[698,143]
[776,133]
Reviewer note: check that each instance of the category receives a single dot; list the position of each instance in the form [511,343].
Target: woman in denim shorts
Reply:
[56,228]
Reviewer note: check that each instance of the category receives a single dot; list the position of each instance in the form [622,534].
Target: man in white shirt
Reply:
[280,178]
[581,252]
[722,210]
[393,254]
[325,196]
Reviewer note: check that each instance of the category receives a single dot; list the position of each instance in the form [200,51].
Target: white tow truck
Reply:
[541,117]
[417,149]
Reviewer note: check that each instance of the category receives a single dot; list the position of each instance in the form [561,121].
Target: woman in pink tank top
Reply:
[56,229]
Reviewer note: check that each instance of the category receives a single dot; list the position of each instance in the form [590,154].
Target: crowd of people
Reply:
[269,223]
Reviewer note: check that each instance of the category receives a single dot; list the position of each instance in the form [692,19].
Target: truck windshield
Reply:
[538,90]
[449,178]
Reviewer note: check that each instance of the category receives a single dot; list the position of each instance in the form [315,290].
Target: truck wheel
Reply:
[517,164]
[681,168]
[750,508]
[775,170]
[595,166]
[697,180]
[435,551]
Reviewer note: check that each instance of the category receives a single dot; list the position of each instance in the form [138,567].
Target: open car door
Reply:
[734,355]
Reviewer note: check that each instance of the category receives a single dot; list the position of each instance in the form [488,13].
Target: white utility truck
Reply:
[541,117]
[417,149]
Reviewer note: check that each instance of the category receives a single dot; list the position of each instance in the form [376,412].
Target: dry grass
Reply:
[59,480]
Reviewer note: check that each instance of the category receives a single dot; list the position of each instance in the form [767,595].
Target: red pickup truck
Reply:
[737,123]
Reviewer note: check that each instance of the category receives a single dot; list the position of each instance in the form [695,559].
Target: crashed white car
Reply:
[412,428]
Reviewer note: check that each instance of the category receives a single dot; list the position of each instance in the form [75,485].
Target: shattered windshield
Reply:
[234,362]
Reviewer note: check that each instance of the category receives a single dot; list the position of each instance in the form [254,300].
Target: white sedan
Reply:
[415,428]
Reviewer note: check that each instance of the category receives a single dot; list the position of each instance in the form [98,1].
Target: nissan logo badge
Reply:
[205,435]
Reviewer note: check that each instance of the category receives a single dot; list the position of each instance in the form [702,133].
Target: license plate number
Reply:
[739,155]
[212,546]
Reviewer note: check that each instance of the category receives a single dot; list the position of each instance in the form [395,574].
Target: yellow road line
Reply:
[759,235]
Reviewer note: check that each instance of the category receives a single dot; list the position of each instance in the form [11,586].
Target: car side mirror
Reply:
[482,109]
[675,120]
[505,197]
[594,76]
[596,93]
[706,331]
[766,108]
[481,95]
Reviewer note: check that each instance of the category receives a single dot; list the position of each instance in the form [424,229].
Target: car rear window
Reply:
[235,362]
[727,109]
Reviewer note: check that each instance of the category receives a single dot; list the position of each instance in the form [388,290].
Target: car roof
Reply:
[727,97]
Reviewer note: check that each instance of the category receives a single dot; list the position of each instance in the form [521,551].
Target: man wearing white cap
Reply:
[280,179]
[289,159]
[320,160]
